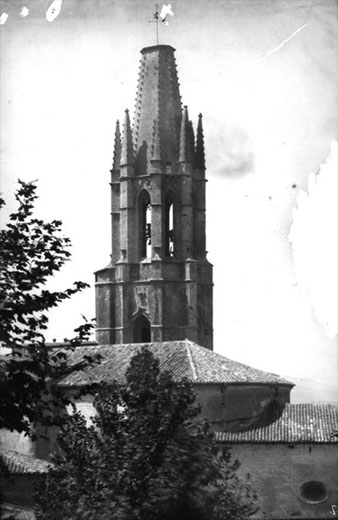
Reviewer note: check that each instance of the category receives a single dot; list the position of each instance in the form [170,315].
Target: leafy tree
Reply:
[31,251]
[144,457]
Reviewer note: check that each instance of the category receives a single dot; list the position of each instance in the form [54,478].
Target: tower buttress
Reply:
[199,193]
[115,195]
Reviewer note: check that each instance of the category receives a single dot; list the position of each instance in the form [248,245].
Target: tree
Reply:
[144,457]
[31,251]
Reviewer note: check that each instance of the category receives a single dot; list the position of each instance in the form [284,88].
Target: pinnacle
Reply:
[117,147]
[200,156]
[127,152]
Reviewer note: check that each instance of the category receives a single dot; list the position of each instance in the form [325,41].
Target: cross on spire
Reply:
[161,17]
[155,20]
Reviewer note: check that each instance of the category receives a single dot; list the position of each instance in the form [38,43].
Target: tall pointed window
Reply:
[142,330]
[144,225]
[169,228]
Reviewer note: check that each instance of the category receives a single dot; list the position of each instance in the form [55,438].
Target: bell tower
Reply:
[158,286]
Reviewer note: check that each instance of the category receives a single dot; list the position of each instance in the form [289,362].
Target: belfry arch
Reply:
[169,226]
[144,224]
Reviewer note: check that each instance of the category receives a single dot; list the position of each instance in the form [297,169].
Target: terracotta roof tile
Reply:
[20,463]
[291,423]
[183,359]
[18,512]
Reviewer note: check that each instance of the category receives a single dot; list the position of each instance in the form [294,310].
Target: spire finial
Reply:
[127,152]
[117,147]
[161,17]
[155,20]
[200,156]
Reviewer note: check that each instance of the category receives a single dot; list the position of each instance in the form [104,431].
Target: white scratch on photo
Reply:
[165,11]
[3,18]
[313,236]
[24,12]
[53,10]
[276,49]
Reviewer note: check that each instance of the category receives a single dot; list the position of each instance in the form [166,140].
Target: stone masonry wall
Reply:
[277,472]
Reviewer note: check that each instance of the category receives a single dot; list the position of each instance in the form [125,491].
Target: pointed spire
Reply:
[117,147]
[184,140]
[200,157]
[127,152]
[157,97]
[156,144]
[191,143]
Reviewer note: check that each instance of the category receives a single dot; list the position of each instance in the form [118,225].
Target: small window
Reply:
[313,492]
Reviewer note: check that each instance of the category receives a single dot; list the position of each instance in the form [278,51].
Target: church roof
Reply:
[20,463]
[289,424]
[183,359]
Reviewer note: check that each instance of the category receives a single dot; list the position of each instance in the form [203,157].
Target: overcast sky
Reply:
[264,75]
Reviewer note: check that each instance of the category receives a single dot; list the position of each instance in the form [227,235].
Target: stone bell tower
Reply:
[158,286]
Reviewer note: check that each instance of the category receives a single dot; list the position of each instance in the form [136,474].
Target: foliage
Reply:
[144,457]
[31,251]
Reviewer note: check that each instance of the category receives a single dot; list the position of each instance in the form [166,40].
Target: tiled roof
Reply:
[183,359]
[20,463]
[18,512]
[291,423]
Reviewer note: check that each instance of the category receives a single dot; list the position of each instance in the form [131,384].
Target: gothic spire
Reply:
[158,98]
[127,152]
[117,147]
[200,157]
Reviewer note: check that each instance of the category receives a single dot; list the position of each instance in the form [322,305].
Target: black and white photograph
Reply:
[168,259]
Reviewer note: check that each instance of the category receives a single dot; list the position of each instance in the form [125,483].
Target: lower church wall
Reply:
[277,472]
[223,406]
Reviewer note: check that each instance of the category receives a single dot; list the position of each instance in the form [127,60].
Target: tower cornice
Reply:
[153,48]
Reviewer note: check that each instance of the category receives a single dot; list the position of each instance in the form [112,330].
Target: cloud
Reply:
[234,152]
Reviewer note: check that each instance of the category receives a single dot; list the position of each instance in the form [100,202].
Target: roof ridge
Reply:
[191,359]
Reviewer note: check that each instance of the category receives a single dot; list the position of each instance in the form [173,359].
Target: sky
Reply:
[264,75]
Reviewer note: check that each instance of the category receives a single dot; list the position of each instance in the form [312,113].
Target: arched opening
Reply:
[144,225]
[142,330]
[169,228]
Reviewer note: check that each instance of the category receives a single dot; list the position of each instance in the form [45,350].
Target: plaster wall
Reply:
[232,406]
